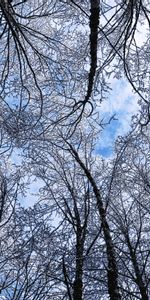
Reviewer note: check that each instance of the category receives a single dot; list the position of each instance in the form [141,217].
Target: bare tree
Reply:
[56,56]
[87,236]
[59,172]
[130,213]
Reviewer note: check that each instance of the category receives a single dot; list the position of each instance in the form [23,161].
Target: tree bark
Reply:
[139,279]
[94,23]
[78,283]
[112,270]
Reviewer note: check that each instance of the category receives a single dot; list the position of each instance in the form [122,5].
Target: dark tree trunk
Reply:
[112,270]
[94,23]
[139,279]
[78,283]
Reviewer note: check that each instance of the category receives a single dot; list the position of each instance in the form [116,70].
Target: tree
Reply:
[30,262]
[86,237]
[130,212]
[65,51]
[56,172]
[88,234]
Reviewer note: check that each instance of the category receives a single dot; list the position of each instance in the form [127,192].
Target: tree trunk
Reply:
[139,279]
[112,270]
[78,283]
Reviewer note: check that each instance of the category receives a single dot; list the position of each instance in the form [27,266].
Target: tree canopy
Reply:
[86,233]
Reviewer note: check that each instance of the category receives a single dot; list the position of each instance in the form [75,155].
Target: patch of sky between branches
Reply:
[31,196]
[123,104]
[33,185]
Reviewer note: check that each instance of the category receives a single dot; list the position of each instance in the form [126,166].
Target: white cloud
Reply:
[124,104]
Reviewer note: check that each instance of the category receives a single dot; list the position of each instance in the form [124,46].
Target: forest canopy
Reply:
[85,231]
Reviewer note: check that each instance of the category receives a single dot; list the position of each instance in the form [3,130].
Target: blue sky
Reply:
[124,104]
